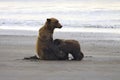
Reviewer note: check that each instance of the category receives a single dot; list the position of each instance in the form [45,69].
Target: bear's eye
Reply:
[56,22]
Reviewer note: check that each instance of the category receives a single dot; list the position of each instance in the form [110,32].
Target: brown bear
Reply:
[70,47]
[45,47]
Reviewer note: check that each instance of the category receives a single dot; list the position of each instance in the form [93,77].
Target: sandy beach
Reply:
[101,62]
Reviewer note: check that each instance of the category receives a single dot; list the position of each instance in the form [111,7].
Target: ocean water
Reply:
[72,14]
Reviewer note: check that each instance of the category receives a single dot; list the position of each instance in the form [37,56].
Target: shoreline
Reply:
[33,31]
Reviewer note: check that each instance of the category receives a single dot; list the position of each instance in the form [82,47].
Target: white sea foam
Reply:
[26,30]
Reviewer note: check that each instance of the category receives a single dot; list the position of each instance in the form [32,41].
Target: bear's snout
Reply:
[59,25]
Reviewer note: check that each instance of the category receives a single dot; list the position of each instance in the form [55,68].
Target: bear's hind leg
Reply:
[78,56]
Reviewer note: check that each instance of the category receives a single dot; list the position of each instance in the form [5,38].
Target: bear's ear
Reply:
[48,20]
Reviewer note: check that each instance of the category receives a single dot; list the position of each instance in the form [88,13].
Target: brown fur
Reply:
[45,47]
[70,46]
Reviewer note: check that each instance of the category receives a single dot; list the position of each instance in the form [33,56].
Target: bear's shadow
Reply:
[35,58]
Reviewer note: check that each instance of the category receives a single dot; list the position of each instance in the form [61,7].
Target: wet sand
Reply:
[101,62]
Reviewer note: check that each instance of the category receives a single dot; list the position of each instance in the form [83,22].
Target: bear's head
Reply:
[53,23]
